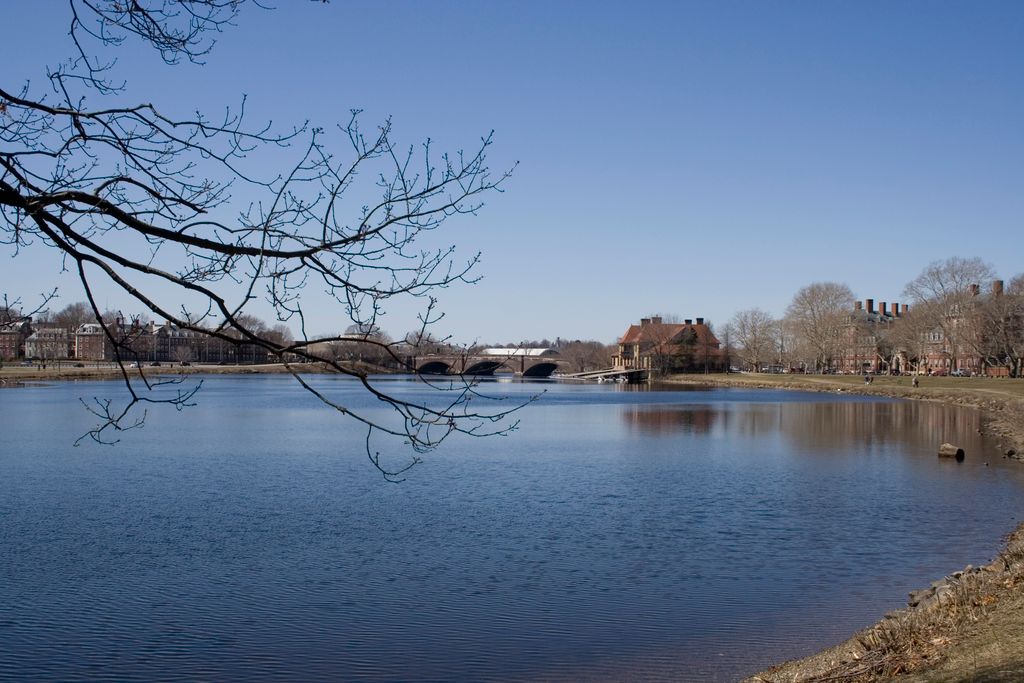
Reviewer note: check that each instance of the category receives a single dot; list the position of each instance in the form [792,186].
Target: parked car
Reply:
[961,373]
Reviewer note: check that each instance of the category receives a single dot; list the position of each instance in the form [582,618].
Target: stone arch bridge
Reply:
[524,362]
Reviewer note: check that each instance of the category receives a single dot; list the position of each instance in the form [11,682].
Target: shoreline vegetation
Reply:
[968,626]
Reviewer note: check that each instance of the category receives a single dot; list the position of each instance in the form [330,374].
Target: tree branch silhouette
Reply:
[152,203]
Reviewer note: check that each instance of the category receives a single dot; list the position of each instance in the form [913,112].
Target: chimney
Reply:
[858,305]
[883,308]
[644,322]
[700,321]
[870,305]
[974,290]
[656,320]
[895,310]
[997,287]
[906,309]
[688,321]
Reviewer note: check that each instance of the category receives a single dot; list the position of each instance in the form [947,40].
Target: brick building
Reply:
[91,343]
[12,338]
[867,339]
[168,343]
[670,347]
[49,343]
[143,343]
[943,352]
[890,340]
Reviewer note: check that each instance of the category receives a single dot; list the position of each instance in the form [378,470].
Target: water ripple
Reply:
[645,536]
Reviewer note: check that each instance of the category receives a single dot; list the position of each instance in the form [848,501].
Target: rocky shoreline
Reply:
[964,627]
[968,626]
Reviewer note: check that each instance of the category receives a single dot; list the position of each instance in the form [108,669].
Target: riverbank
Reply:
[18,375]
[968,626]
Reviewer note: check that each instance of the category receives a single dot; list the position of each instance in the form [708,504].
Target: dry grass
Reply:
[966,625]
[921,637]
[1009,388]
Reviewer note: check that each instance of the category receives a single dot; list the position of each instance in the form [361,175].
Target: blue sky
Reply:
[688,158]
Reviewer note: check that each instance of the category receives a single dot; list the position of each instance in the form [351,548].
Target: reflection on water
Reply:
[822,426]
[620,534]
[663,419]
[834,426]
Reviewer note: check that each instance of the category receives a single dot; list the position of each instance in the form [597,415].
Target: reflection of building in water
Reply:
[833,426]
[663,419]
[822,426]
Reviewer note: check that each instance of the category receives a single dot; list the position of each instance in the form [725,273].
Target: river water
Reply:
[618,534]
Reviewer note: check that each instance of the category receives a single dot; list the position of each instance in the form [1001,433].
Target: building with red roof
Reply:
[663,347]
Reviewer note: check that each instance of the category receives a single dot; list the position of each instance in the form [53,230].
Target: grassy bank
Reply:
[968,626]
[965,627]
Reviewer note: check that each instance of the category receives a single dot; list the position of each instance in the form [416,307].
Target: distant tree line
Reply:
[959,317]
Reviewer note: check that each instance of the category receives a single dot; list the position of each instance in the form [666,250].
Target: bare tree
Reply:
[586,355]
[684,352]
[73,315]
[818,314]
[183,354]
[885,344]
[281,334]
[944,294]
[911,334]
[709,356]
[14,310]
[794,352]
[660,340]
[999,335]
[754,334]
[728,347]
[146,201]
[367,344]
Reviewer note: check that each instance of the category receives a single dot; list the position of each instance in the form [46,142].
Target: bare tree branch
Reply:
[140,199]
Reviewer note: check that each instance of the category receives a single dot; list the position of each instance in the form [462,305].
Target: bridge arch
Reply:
[484,367]
[434,367]
[540,370]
